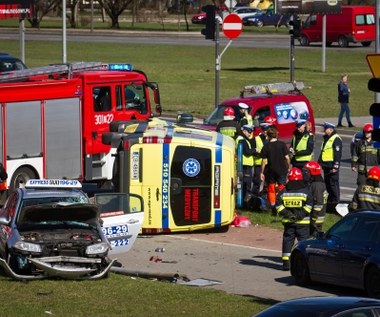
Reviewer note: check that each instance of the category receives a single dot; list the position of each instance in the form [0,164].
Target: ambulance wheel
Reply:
[304,41]
[342,41]
[23,174]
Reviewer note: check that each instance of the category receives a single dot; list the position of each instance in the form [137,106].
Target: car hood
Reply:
[85,213]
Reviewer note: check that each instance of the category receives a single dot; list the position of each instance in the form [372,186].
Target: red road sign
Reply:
[232,26]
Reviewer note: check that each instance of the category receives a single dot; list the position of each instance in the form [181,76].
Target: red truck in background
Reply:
[52,118]
[356,24]
[283,101]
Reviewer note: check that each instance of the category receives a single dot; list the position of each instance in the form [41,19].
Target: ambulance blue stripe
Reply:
[218,150]
[218,217]
[165,185]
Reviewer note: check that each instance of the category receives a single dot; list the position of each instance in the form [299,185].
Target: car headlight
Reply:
[97,249]
[28,247]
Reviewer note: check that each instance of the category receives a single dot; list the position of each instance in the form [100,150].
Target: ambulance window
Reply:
[191,185]
[119,98]
[102,98]
[135,98]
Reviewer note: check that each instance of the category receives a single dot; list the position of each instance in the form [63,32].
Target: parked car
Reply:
[266,18]
[346,255]
[10,63]
[329,306]
[51,229]
[246,11]
[200,18]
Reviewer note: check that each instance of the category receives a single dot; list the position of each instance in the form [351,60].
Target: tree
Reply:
[40,9]
[114,8]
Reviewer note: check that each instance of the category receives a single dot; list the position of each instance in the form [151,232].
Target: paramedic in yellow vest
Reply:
[248,160]
[245,117]
[302,145]
[329,159]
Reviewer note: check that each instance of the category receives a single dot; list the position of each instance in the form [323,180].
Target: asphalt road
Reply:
[240,269]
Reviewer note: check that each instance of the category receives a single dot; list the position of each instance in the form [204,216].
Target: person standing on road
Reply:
[319,194]
[294,205]
[275,156]
[344,99]
[248,148]
[367,196]
[302,145]
[228,126]
[245,117]
[364,155]
[329,159]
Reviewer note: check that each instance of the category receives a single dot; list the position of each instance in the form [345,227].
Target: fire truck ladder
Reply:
[25,74]
[273,88]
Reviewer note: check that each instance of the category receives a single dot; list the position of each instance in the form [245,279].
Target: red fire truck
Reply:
[52,118]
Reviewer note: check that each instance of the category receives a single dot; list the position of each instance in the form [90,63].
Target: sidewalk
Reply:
[359,122]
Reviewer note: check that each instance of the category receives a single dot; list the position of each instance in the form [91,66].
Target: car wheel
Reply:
[304,41]
[366,44]
[372,282]
[342,41]
[260,24]
[300,269]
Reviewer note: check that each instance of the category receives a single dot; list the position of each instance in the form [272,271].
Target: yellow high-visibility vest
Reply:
[302,145]
[327,150]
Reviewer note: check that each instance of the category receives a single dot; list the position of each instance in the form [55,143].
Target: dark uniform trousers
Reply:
[332,185]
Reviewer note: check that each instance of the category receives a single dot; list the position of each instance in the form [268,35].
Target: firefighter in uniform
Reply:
[364,155]
[248,160]
[319,195]
[302,145]
[294,205]
[228,126]
[367,196]
[329,159]
[245,117]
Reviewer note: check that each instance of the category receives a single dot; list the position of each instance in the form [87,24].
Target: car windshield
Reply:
[57,199]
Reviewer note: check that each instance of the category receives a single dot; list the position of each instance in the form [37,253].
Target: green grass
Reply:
[186,73]
[120,295]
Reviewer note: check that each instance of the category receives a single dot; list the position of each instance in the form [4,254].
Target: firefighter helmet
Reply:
[295,174]
[374,173]
[229,113]
[314,168]
[270,120]
[368,127]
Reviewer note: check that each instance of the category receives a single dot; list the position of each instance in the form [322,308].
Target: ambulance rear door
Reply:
[122,217]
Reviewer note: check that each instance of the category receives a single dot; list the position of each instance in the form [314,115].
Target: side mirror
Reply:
[5,221]
[184,118]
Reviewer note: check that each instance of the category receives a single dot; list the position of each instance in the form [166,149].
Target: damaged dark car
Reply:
[59,239]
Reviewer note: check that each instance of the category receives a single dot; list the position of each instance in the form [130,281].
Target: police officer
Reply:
[294,204]
[319,194]
[329,159]
[302,145]
[245,117]
[364,154]
[367,196]
[228,126]
[247,140]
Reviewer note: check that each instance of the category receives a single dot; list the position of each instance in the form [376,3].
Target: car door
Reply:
[326,263]
[357,250]
[122,217]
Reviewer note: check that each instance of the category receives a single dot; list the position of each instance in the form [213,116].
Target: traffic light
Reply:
[209,31]
[295,25]
[374,111]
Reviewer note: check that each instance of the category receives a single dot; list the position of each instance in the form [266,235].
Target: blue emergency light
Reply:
[116,66]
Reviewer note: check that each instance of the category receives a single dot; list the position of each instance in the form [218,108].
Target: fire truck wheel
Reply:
[23,174]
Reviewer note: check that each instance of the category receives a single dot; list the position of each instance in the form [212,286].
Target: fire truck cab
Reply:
[52,118]
[186,176]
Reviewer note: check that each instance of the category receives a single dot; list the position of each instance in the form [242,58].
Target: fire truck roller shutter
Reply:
[63,138]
